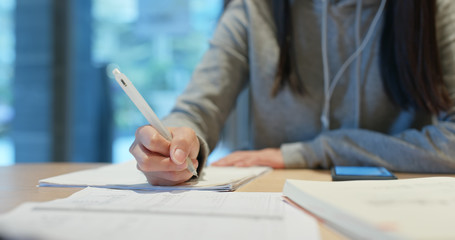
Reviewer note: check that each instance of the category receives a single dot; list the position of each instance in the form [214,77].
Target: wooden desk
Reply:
[19,184]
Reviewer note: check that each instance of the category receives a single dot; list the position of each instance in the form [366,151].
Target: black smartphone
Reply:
[345,173]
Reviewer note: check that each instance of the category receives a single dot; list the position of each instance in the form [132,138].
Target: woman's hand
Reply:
[161,161]
[270,157]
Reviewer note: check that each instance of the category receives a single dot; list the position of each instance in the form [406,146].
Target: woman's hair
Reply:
[409,56]
[286,71]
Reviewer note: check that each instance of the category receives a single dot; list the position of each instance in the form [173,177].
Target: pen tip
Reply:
[194,173]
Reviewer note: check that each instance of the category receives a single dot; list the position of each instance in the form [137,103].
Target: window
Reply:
[63,44]
[157,44]
[7,57]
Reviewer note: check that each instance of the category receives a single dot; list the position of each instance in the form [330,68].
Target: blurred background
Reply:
[57,102]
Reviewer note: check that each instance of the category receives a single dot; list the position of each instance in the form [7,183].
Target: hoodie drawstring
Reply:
[330,86]
[358,18]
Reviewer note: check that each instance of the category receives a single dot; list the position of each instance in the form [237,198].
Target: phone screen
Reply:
[362,171]
[341,173]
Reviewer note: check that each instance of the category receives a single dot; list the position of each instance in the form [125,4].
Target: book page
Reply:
[96,213]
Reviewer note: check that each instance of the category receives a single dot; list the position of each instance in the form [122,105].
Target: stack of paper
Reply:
[422,208]
[126,176]
[96,213]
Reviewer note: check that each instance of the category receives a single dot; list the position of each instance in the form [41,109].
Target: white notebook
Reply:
[126,176]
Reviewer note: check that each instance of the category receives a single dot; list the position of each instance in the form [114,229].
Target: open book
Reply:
[422,208]
[126,176]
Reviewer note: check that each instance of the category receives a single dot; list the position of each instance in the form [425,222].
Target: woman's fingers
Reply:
[152,162]
[184,144]
[270,157]
[151,139]
[232,159]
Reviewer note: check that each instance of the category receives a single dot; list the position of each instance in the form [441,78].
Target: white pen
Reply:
[146,110]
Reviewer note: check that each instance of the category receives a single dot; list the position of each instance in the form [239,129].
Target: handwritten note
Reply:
[126,176]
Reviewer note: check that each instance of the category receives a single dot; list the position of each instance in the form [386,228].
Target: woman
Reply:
[332,82]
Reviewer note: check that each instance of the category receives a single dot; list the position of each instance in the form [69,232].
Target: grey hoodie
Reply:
[363,126]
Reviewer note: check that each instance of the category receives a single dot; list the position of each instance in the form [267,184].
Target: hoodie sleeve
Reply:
[216,82]
[431,149]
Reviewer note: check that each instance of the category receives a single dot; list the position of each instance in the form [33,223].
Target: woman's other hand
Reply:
[270,157]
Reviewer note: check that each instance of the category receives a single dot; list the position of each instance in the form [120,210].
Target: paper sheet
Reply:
[126,214]
[126,176]
[422,208]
